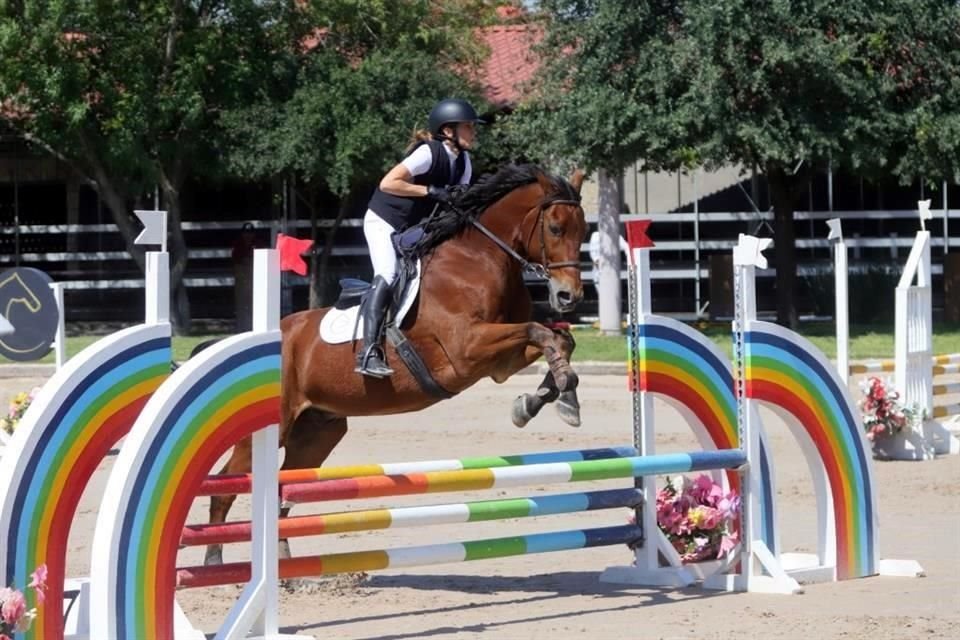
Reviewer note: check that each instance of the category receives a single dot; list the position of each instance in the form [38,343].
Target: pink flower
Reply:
[727,544]
[38,582]
[14,606]
[4,636]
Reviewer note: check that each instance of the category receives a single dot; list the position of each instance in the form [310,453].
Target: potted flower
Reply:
[18,406]
[891,426]
[698,518]
[14,615]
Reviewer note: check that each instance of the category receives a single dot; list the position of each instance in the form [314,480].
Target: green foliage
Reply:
[135,87]
[370,80]
[872,86]
[345,122]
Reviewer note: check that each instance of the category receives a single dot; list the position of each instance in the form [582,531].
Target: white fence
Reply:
[688,227]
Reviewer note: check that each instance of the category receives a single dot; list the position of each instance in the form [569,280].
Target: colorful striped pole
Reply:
[233,573]
[240,483]
[880,366]
[478,479]
[943,411]
[195,535]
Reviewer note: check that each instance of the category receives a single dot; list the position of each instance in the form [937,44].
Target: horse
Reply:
[472,320]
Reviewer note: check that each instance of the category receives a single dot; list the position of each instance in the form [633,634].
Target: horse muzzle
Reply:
[563,297]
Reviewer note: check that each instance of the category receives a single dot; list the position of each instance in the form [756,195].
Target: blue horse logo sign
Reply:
[27,303]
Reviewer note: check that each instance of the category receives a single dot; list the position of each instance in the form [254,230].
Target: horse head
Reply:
[555,236]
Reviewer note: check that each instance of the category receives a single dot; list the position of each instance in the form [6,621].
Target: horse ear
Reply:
[544,181]
[576,179]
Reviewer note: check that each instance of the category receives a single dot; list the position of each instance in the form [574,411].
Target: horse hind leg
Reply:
[240,462]
[312,438]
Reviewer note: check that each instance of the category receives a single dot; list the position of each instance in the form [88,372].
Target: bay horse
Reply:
[472,320]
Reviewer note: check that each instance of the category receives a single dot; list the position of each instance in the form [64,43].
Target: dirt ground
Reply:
[558,595]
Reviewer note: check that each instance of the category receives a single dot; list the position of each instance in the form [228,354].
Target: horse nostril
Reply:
[566,297]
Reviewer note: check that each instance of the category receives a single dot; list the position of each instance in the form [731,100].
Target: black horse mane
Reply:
[470,203]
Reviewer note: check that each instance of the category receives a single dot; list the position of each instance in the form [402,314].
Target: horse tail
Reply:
[197,349]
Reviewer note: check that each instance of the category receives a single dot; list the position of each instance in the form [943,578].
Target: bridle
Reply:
[539,270]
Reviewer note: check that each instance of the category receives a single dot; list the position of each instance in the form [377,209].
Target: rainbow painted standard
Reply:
[782,369]
[86,407]
[208,405]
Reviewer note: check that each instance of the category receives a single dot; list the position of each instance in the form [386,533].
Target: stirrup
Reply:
[372,364]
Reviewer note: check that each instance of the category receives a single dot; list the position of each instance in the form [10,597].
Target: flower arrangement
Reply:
[883,415]
[18,406]
[698,518]
[14,615]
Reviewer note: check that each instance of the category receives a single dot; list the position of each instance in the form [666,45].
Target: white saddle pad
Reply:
[345,325]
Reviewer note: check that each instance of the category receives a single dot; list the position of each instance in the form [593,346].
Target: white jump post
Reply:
[5,329]
[656,562]
[646,569]
[60,341]
[760,570]
[913,365]
[841,297]
[913,356]
[913,350]
[256,610]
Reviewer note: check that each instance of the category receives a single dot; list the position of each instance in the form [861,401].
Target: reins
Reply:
[542,269]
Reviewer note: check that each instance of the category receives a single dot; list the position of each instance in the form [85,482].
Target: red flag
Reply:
[637,234]
[291,252]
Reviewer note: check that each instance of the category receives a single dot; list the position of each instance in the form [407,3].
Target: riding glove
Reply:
[446,196]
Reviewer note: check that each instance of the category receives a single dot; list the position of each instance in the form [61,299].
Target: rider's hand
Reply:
[440,194]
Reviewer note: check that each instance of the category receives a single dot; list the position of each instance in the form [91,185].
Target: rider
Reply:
[435,160]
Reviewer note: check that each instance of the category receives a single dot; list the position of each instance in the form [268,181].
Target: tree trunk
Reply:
[121,212]
[783,192]
[320,281]
[180,316]
[608,226]
[316,288]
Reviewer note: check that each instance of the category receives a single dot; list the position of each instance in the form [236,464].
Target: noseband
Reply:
[540,270]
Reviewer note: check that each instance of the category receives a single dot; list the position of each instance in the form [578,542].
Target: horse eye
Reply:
[555,230]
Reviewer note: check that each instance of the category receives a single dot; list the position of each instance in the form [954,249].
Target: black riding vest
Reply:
[401,212]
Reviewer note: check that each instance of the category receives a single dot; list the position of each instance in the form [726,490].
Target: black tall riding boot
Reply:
[370,358]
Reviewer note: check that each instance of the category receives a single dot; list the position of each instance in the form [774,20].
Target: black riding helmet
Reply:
[450,111]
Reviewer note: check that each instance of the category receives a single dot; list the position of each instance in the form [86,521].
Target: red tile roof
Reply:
[512,61]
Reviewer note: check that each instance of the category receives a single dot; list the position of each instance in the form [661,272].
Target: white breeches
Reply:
[382,254]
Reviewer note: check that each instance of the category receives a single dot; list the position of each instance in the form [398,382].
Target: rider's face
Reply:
[465,133]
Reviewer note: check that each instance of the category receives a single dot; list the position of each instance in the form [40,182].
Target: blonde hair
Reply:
[418,136]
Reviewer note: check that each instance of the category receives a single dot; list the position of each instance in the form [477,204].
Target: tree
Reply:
[790,87]
[127,94]
[369,78]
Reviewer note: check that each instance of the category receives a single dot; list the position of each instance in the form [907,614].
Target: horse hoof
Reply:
[520,415]
[567,381]
[303,585]
[568,409]
[214,556]
[337,584]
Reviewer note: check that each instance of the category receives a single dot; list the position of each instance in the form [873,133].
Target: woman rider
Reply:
[437,159]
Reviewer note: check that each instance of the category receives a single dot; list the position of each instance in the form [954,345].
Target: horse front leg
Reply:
[527,406]
[502,349]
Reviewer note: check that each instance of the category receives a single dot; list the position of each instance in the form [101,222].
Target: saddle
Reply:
[354,290]
[353,293]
